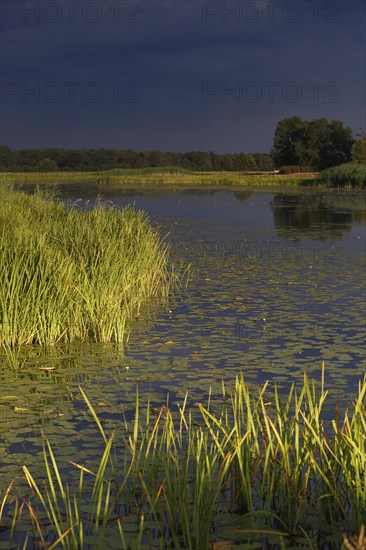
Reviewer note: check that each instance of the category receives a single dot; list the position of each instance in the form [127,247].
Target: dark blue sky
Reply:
[176,75]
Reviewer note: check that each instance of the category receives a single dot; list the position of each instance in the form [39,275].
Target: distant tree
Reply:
[263,161]
[28,159]
[47,165]
[175,159]
[156,158]
[169,159]
[227,162]
[359,149]
[205,163]
[215,161]
[338,147]
[193,160]
[317,143]
[145,159]
[288,139]
[106,159]
[8,158]
[244,162]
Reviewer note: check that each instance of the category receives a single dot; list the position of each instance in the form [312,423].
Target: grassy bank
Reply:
[346,175]
[252,470]
[165,176]
[68,275]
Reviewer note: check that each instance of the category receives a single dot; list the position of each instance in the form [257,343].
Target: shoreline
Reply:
[139,181]
[105,179]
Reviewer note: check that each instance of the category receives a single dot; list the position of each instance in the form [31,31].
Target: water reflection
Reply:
[297,215]
[243,195]
[319,217]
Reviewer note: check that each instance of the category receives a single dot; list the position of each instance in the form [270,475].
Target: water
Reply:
[276,288]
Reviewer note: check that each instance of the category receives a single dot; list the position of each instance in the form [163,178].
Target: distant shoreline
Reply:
[113,179]
[346,177]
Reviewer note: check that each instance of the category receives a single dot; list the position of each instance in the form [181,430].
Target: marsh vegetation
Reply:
[71,275]
[161,443]
[254,469]
[346,175]
[167,176]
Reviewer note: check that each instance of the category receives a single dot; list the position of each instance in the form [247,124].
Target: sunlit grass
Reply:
[108,179]
[257,468]
[68,275]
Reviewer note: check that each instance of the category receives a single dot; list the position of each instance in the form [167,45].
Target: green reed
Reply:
[71,275]
[257,468]
[345,175]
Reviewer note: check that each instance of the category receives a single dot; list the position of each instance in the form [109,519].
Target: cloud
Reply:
[169,49]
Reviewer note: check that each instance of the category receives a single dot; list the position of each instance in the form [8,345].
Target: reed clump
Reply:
[69,275]
[346,175]
[256,469]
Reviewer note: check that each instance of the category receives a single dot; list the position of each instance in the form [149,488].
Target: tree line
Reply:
[298,145]
[48,160]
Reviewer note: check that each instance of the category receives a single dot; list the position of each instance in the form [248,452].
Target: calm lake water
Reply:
[276,287]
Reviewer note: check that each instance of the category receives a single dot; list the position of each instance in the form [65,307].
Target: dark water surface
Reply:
[276,287]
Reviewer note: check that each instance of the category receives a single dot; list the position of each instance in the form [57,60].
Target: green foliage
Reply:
[317,143]
[264,162]
[69,160]
[8,158]
[47,165]
[69,275]
[289,135]
[259,469]
[347,175]
[359,151]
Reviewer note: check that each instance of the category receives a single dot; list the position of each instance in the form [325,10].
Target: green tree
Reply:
[8,158]
[338,146]
[227,162]
[205,163]
[359,150]
[156,158]
[263,161]
[47,165]
[316,140]
[317,143]
[289,138]
[244,161]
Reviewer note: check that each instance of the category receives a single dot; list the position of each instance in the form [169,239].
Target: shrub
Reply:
[346,175]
